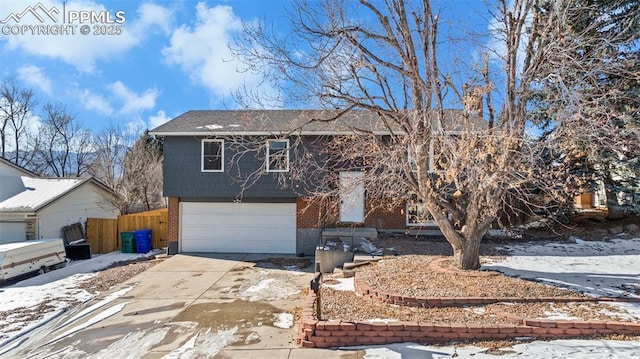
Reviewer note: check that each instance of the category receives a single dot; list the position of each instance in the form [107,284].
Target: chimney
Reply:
[472,100]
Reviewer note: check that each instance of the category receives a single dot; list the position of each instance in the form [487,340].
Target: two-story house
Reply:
[213,209]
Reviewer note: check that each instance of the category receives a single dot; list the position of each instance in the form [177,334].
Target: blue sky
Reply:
[170,57]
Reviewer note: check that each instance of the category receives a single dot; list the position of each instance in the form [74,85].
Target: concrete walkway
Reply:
[188,306]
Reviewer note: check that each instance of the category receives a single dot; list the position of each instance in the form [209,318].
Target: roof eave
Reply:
[266,133]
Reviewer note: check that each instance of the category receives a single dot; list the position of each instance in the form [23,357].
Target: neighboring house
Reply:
[206,211]
[32,207]
[590,199]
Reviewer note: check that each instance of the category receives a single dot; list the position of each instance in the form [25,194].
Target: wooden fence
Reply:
[104,234]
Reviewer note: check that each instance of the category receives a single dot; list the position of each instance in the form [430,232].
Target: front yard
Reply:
[525,289]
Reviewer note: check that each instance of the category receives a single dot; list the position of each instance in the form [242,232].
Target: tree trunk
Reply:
[613,208]
[467,256]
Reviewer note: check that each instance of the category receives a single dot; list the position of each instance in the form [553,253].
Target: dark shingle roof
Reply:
[259,122]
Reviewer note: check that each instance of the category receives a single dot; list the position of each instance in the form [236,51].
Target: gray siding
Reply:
[183,177]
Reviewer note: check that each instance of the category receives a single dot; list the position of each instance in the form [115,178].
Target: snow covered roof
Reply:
[39,192]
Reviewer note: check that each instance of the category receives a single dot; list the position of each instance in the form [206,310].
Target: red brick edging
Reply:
[314,333]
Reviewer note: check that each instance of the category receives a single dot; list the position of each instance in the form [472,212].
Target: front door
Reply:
[351,197]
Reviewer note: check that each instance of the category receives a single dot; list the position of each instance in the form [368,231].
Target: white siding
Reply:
[78,205]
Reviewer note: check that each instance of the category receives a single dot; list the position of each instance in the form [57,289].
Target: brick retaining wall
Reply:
[323,334]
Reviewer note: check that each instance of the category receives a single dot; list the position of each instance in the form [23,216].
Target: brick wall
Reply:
[382,214]
[312,214]
[308,213]
[379,214]
[314,333]
[174,218]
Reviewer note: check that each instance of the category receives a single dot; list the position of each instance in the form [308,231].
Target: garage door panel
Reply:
[230,246]
[244,227]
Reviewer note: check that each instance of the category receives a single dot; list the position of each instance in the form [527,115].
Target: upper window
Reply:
[277,155]
[212,156]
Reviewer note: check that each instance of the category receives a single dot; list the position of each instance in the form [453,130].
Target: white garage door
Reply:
[238,227]
[12,232]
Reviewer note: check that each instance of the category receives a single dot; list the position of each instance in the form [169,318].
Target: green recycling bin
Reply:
[128,243]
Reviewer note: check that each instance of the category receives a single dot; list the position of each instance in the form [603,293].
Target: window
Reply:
[417,215]
[277,155]
[212,156]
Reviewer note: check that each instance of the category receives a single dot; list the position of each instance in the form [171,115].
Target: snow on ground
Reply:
[96,319]
[598,268]
[583,349]
[48,294]
[205,344]
[602,268]
[283,320]
[268,287]
[345,284]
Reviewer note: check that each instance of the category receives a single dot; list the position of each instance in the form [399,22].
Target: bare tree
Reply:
[131,166]
[385,58]
[110,145]
[16,115]
[66,147]
[142,175]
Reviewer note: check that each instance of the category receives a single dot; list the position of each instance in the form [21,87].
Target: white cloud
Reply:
[133,102]
[79,50]
[497,44]
[159,119]
[136,127]
[202,50]
[152,15]
[92,101]
[33,76]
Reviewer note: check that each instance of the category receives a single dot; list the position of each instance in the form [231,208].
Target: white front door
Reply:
[351,197]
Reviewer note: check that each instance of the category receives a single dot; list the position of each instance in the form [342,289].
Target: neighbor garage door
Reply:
[238,227]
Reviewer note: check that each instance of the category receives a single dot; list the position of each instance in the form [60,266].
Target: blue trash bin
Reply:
[142,238]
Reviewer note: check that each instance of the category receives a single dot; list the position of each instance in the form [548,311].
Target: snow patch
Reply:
[133,345]
[269,289]
[597,268]
[58,289]
[98,318]
[108,299]
[344,284]
[210,127]
[14,297]
[283,320]
[204,344]
[476,310]
[252,337]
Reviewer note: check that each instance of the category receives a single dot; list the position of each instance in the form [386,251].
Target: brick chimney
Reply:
[473,100]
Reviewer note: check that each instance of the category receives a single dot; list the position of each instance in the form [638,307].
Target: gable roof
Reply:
[21,169]
[270,122]
[40,192]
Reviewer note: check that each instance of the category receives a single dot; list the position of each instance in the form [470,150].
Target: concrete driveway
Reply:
[188,306]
